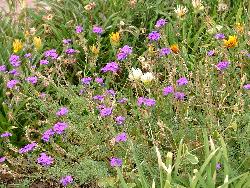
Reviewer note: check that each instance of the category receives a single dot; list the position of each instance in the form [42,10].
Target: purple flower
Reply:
[123,100]
[105,112]
[247,86]
[99,80]
[44,62]
[12,83]
[15,60]
[28,55]
[121,56]
[110,67]
[86,80]
[179,95]
[27,148]
[120,120]
[145,101]
[67,41]
[165,51]
[218,166]
[62,111]
[51,53]
[47,134]
[3,68]
[97,30]
[140,101]
[111,92]
[70,51]
[59,127]
[45,160]
[66,180]
[211,53]
[79,29]
[115,162]
[126,49]
[222,65]
[42,95]
[219,36]
[167,90]
[5,134]
[154,35]
[32,79]
[182,81]
[160,23]
[99,97]
[121,137]
[248,55]
[149,102]
[14,72]
[2,159]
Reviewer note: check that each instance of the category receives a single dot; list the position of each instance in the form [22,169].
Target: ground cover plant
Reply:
[125,93]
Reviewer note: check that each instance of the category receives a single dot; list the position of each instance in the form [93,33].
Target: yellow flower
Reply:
[175,48]
[115,38]
[231,42]
[94,50]
[37,42]
[239,27]
[17,45]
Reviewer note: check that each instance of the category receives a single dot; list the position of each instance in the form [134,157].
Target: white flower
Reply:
[218,27]
[180,11]
[222,7]
[147,77]
[197,4]
[135,74]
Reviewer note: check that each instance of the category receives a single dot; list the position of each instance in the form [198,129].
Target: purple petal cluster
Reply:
[59,127]
[32,79]
[12,83]
[164,51]
[27,148]
[97,30]
[146,101]
[47,134]
[5,134]
[104,112]
[28,55]
[110,67]
[70,51]
[79,29]
[179,95]
[115,162]
[211,53]
[15,60]
[182,81]
[86,80]
[219,36]
[120,120]
[99,80]
[44,62]
[222,65]
[51,53]
[62,111]
[247,86]
[45,160]
[2,159]
[122,100]
[160,23]
[3,68]
[121,137]
[124,52]
[154,36]
[66,180]
[14,72]
[99,97]
[167,90]
[67,41]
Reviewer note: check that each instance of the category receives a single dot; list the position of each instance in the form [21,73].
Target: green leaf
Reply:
[192,158]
